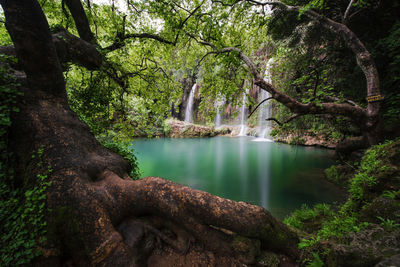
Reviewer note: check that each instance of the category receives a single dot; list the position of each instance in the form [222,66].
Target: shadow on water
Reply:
[276,176]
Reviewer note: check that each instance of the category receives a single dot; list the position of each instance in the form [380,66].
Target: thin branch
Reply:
[293,117]
[259,104]
[203,42]
[333,99]
[190,14]
[181,7]
[224,4]
[119,43]
[207,54]
[355,13]
[347,12]
[286,121]
[275,120]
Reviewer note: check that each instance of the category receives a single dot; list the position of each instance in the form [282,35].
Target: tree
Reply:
[367,119]
[97,214]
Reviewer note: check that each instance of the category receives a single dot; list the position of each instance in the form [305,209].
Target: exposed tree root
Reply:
[119,221]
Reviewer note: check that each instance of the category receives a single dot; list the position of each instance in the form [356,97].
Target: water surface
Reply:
[276,176]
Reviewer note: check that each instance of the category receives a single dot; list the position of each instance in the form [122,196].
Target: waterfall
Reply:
[189,105]
[218,118]
[264,126]
[243,126]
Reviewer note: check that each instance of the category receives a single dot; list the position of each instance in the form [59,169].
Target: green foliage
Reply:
[125,150]
[316,262]
[370,164]
[391,194]
[22,217]
[8,99]
[336,225]
[303,73]
[304,214]
[332,174]
[306,243]
[314,4]
[388,223]
[22,208]
[340,225]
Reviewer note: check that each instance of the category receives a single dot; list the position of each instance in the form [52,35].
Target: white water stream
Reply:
[264,126]
[218,106]
[243,126]
[189,106]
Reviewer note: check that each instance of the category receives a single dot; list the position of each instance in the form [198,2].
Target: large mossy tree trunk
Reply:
[98,215]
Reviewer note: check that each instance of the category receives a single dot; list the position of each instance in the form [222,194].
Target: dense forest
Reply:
[79,80]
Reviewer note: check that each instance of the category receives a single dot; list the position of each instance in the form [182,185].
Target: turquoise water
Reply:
[276,176]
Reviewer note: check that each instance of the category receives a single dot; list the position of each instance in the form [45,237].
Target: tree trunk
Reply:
[99,216]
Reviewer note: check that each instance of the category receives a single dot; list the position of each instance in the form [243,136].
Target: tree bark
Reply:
[98,215]
[80,18]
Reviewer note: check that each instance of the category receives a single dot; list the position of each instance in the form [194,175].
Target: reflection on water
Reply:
[276,176]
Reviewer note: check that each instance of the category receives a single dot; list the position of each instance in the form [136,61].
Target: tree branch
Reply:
[81,21]
[275,120]
[286,121]
[203,42]
[358,114]
[73,49]
[33,46]
[347,12]
[69,48]
[259,104]
[119,43]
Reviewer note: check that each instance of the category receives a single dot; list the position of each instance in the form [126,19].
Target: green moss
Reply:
[307,218]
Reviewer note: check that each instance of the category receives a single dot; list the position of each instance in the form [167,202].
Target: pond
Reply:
[279,177]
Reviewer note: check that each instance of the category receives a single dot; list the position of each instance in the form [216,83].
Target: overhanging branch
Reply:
[119,43]
[286,121]
[259,104]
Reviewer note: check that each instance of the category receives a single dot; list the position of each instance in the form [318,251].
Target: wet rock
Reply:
[307,138]
[181,129]
[366,248]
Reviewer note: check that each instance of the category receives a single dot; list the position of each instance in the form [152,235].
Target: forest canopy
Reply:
[152,49]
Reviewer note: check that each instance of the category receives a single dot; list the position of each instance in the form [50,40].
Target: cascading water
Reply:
[218,118]
[264,126]
[243,126]
[189,106]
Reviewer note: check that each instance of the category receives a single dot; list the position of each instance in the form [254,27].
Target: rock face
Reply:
[367,248]
[307,138]
[181,129]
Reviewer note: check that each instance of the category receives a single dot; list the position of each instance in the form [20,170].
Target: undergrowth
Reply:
[22,208]
[125,150]
[336,224]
